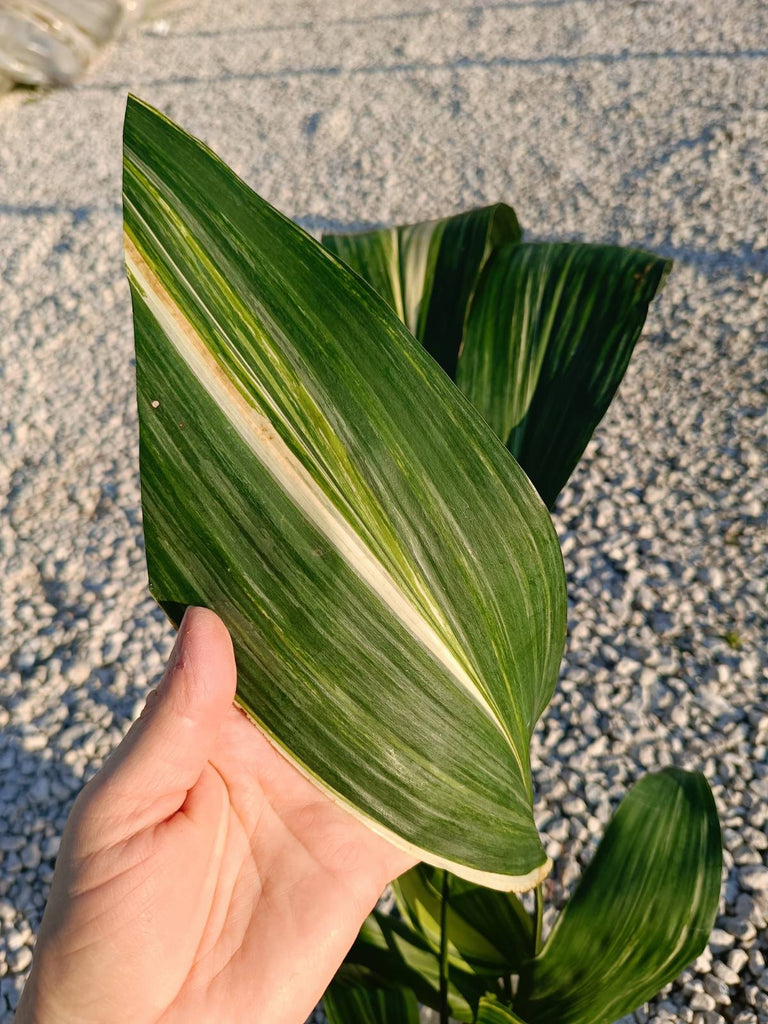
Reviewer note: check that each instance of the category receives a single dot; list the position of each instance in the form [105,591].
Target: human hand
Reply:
[200,876]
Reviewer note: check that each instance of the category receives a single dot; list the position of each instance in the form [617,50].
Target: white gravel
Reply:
[641,123]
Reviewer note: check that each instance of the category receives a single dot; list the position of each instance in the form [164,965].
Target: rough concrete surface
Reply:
[641,122]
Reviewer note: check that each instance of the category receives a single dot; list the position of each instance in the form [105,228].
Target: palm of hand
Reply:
[295,878]
[226,890]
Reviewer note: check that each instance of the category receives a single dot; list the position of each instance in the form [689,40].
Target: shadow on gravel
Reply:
[740,261]
[36,795]
[36,211]
[335,70]
[472,11]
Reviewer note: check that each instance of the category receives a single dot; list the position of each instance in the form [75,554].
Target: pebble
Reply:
[756,962]
[720,940]
[30,855]
[725,974]
[50,847]
[702,1001]
[20,960]
[14,940]
[754,879]
[737,960]
[40,790]
[717,989]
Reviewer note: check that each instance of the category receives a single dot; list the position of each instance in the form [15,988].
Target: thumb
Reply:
[147,778]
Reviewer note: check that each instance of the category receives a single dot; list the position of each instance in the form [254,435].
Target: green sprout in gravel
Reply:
[348,451]
[733,638]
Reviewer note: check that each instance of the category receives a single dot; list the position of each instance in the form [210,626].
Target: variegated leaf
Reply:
[389,952]
[643,910]
[537,335]
[428,272]
[548,338]
[488,932]
[392,582]
[359,1004]
[491,1011]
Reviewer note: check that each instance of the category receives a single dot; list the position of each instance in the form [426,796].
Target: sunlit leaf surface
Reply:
[392,582]
[537,335]
[643,910]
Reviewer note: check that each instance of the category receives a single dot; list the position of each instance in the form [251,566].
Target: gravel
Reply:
[642,123]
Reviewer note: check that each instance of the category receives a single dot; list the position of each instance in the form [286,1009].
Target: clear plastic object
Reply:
[50,42]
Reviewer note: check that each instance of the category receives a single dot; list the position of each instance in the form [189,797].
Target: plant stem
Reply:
[506,984]
[444,950]
[539,920]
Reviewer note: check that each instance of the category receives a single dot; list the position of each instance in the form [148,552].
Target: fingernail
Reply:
[178,646]
[183,620]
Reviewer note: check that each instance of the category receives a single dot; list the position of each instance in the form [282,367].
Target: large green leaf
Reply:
[392,582]
[392,953]
[548,337]
[428,272]
[642,911]
[538,336]
[358,1004]
[488,931]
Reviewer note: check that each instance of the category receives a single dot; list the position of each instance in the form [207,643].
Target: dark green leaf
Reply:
[488,932]
[396,955]
[428,272]
[544,330]
[549,335]
[643,910]
[358,1004]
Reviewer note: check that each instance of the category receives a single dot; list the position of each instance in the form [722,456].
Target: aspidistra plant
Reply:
[392,581]
[537,335]
[391,578]
[643,909]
